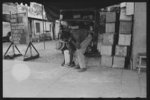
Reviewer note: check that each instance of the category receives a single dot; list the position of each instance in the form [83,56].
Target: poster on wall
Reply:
[36,11]
[9,8]
[18,28]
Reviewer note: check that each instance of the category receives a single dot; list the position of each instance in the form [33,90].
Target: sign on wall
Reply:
[9,7]
[18,27]
[36,11]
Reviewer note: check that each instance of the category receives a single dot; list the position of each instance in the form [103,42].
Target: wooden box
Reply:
[110,17]
[125,27]
[110,28]
[108,38]
[106,61]
[106,50]
[124,39]
[121,50]
[118,62]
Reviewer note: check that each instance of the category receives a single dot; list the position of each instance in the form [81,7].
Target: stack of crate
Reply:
[101,30]
[106,48]
[124,40]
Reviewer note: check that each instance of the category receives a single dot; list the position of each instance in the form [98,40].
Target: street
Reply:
[44,77]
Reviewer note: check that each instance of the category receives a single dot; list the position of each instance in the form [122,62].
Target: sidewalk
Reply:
[51,80]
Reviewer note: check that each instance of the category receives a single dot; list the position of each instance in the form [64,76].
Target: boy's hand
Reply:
[78,45]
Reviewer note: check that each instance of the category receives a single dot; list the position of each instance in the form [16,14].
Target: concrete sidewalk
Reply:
[46,80]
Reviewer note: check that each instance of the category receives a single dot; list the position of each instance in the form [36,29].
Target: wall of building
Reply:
[139,31]
[57,28]
[47,27]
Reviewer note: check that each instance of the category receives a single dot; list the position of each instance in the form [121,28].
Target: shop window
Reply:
[37,27]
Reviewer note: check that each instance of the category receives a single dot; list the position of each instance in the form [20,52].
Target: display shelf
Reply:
[79,17]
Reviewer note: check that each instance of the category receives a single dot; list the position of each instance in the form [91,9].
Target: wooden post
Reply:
[43,23]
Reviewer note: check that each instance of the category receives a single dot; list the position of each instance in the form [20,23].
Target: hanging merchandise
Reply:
[74,27]
[76,16]
[102,18]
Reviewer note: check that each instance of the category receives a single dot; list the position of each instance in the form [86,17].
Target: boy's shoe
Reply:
[72,65]
[77,67]
[82,69]
[63,64]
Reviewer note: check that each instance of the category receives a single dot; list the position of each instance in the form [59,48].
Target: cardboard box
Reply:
[125,27]
[108,38]
[118,62]
[106,50]
[124,39]
[121,50]
[110,17]
[106,61]
[123,15]
[110,28]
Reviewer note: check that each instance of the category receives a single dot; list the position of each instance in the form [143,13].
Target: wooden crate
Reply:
[123,15]
[125,27]
[124,39]
[108,38]
[121,50]
[110,17]
[110,27]
[106,50]
[106,61]
[118,62]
